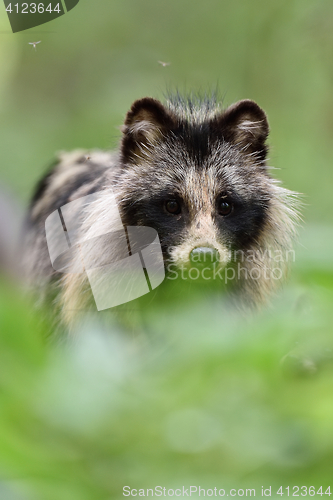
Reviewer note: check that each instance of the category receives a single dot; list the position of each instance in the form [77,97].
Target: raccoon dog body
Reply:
[193,172]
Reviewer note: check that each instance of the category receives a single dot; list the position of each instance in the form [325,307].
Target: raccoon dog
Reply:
[196,174]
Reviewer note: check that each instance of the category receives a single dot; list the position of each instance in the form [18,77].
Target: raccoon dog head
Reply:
[198,175]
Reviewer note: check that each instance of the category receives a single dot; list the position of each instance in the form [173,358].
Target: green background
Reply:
[194,394]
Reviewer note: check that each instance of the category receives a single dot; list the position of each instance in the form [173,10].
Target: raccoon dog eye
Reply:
[172,206]
[225,207]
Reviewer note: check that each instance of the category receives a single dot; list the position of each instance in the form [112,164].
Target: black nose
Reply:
[204,256]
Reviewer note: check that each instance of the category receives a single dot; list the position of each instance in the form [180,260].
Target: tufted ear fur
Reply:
[145,124]
[245,125]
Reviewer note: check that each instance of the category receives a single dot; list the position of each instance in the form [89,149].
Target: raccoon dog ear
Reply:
[245,124]
[145,124]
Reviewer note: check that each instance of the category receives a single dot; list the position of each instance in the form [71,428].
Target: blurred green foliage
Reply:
[199,396]
[194,394]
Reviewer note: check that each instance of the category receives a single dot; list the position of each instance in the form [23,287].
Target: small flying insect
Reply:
[34,44]
[164,63]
